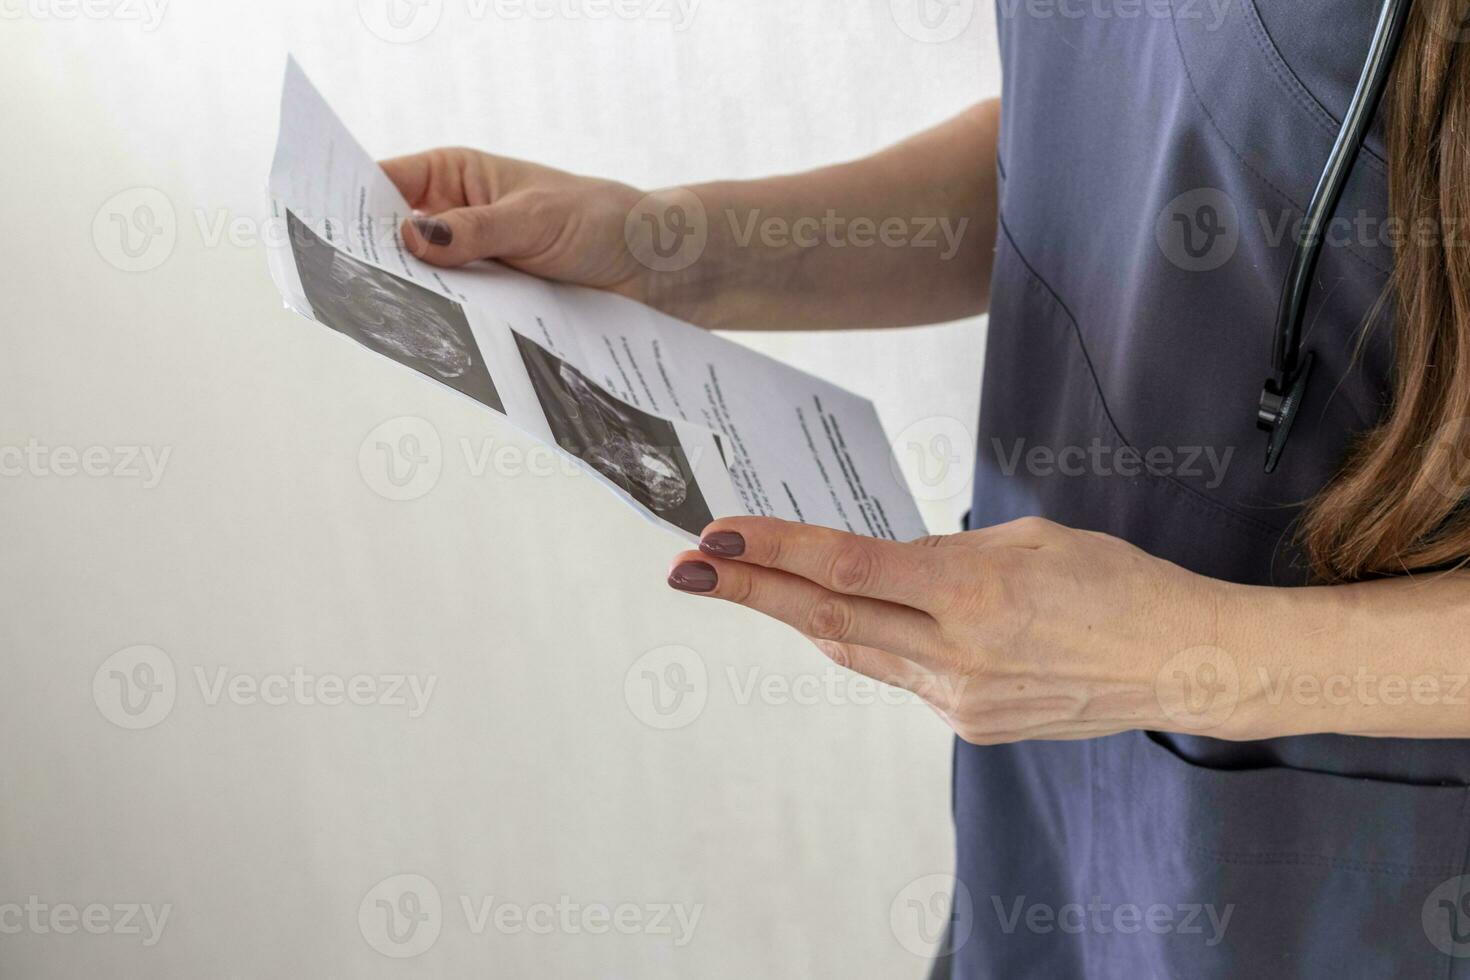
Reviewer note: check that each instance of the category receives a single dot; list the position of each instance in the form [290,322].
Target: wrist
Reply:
[1293,671]
[681,257]
[1219,674]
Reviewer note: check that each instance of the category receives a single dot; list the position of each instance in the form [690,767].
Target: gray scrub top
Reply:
[1154,157]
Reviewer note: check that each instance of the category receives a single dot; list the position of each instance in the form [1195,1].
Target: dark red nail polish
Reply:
[435,232]
[693,576]
[723,544]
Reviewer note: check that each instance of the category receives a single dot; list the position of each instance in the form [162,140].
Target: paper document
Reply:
[682,424]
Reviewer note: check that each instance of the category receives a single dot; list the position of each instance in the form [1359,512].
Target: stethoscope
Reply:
[1281,397]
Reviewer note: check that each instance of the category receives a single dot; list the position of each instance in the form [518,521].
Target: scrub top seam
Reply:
[1198,498]
[1215,126]
[1292,83]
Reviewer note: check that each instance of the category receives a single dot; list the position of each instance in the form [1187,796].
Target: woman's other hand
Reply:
[1026,630]
[551,224]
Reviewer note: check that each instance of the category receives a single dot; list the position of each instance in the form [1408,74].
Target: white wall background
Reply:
[795,827]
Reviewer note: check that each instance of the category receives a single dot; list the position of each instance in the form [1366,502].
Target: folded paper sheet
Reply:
[682,424]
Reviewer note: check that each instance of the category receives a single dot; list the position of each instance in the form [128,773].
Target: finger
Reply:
[880,665]
[912,574]
[811,609]
[891,669]
[492,231]
[435,180]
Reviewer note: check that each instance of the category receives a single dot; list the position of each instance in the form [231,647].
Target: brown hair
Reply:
[1395,505]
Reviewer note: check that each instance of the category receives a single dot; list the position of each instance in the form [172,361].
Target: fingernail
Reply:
[435,232]
[693,576]
[723,544]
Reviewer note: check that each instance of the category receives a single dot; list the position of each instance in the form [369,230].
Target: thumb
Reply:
[461,235]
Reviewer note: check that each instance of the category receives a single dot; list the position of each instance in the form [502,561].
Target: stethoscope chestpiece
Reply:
[1280,402]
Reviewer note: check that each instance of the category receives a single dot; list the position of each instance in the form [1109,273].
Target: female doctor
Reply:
[1213,721]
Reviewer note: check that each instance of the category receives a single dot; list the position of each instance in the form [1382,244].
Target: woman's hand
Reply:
[794,252]
[551,224]
[1020,631]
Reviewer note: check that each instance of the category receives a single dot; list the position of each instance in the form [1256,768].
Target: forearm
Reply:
[1384,658]
[902,237]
